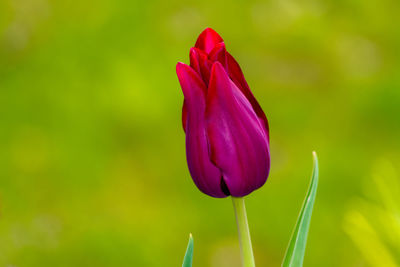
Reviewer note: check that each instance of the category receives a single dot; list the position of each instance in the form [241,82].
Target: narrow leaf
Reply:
[295,252]
[187,261]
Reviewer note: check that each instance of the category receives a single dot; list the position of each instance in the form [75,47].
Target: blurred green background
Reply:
[92,154]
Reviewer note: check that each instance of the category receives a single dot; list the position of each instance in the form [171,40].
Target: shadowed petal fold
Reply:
[237,138]
[195,60]
[206,176]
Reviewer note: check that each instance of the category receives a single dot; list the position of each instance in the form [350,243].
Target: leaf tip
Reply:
[314,153]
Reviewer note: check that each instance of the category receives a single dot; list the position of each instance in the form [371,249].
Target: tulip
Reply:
[227,136]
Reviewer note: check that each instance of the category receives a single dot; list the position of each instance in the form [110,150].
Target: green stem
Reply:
[244,233]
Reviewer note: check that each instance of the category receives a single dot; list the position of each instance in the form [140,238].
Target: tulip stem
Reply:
[246,249]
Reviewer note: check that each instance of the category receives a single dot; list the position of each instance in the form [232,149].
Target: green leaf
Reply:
[295,252]
[187,261]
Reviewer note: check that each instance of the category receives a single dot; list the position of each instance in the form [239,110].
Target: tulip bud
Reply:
[227,136]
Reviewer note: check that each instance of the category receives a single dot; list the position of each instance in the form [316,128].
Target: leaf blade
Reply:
[187,260]
[294,255]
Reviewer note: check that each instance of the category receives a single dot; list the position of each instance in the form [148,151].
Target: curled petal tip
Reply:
[208,29]
[179,65]
[189,80]
[217,70]
[192,50]
[207,40]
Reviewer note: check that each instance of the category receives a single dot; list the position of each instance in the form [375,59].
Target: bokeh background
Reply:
[92,155]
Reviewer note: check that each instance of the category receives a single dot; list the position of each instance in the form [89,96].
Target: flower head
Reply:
[227,136]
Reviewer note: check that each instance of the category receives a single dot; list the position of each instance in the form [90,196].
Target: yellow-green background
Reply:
[92,154]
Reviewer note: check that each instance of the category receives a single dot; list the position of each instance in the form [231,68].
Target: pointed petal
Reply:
[237,140]
[205,67]
[194,60]
[236,74]
[205,175]
[200,63]
[189,80]
[219,54]
[207,40]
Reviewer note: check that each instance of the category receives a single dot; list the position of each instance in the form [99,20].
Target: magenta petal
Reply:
[184,116]
[205,67]
[219,54]
[194,60]
[236,74]
[206,176]
[207,40]
[200,63]
[237,140]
